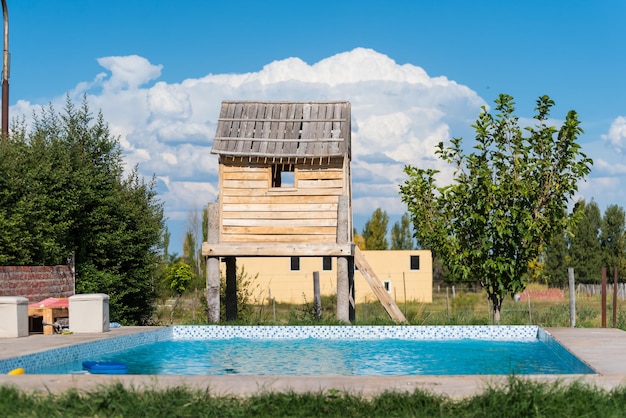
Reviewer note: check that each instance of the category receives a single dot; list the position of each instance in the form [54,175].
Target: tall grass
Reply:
[517,398]
[462,308]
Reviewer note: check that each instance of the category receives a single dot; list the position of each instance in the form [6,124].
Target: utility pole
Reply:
[5,72]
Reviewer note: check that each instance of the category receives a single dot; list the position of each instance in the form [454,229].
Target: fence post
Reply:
[603,292]
[615,297]
[317,297]
[572,298]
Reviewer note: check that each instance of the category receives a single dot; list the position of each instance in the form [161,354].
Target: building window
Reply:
[295,263]
[327,263]
[387,285]
[415,262]
[283,175]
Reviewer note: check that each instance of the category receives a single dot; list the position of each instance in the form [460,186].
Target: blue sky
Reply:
[416,73]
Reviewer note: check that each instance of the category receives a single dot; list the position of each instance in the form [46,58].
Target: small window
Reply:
[295,263]
[327,263]
[415,262]
[387,285]
[283,175]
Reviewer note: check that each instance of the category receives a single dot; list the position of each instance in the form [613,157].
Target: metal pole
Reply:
[5,72]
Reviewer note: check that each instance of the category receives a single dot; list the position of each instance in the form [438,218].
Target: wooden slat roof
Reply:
[283,129]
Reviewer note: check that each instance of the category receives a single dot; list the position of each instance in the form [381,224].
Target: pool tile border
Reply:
[478,332]
[83,350]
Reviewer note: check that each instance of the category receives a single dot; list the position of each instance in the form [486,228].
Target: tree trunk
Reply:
[497,307]
[173,309]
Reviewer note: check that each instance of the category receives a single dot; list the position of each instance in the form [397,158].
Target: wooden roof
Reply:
[283,129]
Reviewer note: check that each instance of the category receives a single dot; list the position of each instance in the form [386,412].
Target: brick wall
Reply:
[37,283]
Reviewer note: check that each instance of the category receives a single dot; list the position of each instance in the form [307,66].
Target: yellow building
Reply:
[406,275]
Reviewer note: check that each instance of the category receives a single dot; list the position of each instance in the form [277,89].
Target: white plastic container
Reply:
[89,313]
[13,317]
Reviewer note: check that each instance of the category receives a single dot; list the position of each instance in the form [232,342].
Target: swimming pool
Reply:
[323,350]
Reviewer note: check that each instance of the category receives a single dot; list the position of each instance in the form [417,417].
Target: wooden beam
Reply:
[277,249]
[377,287]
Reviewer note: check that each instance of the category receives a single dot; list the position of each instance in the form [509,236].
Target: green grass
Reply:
[465,308]
[518,398]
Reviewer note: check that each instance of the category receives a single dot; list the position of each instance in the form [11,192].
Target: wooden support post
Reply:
[572,298]
[603,290]
[317,297]
[343,290]
[343,275]
[213,268]
[213,289]
[614,297]
[231,289]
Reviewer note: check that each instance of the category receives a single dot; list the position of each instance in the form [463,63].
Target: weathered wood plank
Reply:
[317,207]
[283,140]
[254,222]
[277,249]
[321,183]
[280,230]
[245,184]
[320,174]
[279,215]
[377,287]
[291,200]
[281,192]
[267,239]
[229,168]
[243,175]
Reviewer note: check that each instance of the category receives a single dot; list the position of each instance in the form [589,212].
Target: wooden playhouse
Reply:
[284,191]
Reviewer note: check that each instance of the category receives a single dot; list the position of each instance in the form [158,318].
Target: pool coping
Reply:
[603,349]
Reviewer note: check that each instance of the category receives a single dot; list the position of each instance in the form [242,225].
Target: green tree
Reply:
[64,191]
[401,236]
[375,231]
[585,253]
[613,239]
[179,276]
[556,260]
[508,196]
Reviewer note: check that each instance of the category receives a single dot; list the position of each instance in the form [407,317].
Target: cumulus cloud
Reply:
[617,134]
[399,114]
[128,72]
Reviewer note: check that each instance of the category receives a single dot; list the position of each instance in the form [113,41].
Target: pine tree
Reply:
[401,236]
[375,231]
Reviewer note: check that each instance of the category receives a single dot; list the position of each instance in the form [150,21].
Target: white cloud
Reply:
[128,72]
[617,134]
[399,113]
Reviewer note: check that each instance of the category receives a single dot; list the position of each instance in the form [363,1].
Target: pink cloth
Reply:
[50,303]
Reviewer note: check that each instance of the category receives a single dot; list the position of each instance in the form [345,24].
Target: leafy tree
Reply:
[245,294]
[358,239]
[401,236]
[585,254]
[508,195]
[63,191]
[613,238]
[556,260]
[375,231]
[178,277]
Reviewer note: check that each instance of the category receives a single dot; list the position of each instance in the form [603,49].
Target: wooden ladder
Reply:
[385,299]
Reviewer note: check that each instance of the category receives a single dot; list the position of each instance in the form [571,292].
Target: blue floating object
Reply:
[105,367]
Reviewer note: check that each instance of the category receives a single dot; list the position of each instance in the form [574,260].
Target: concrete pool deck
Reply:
[603,349]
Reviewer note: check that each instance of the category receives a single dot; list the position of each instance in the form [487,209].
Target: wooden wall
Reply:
[251,210]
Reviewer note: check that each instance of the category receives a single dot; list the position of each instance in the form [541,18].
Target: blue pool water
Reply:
[359,357]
